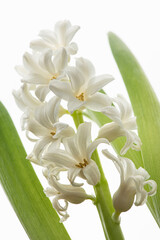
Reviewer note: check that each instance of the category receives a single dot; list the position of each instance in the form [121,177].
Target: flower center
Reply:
[54,76]
[83,164]
[53,133]
[80,97]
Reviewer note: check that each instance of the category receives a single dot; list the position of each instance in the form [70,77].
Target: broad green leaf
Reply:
[146,108]
[23,188]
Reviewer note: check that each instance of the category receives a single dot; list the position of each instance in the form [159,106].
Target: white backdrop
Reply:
[137,23]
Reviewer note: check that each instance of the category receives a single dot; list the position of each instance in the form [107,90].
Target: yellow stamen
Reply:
[82,165]
[54,76]
[80,97]
[53,133]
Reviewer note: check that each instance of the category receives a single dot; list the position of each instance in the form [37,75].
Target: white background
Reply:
[138,24]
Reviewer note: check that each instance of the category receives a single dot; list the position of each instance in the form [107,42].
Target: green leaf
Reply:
[147,110]
[23,188]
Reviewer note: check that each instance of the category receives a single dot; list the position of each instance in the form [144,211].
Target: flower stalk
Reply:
[112,230]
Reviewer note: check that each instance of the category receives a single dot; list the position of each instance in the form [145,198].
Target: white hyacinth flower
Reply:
[40,69]
[132,183]
[61,37]
[45,126]
[26,102]
[24,98]
[82,88]
[123,125]
[68,193]
[76,157]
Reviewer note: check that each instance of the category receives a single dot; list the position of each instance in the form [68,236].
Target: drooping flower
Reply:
[76,157]
[61,37]
[82,88]
[132,183]
[123,125]
[26,102]
[68,193]
[46,127]
[40,69]
[24,98]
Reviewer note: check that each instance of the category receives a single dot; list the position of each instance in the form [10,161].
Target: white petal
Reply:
[92,146]
[76,78]
[141,171]
[18,99]
[30,138]
[39,45]
[67,132]
[132,141]
[46,62]
[85,67]
[84,138]
[21,70]
[111,131]
[97,83]
[41,92]
[50,192]
[61,89]
[72,48]
[62,130]
[98,101]
[42,117]
[123,198]
[72,174]
[60,158]
[35,78]
[141,193]
[61,28]
[27,98]
[128,144]
[71,32]
[55,144]
[30,63]
[109,155]
[37,129]
[49,36]
[113,113]
[141,198]
[24,119]
[74,104]
[117,161]
[128,167]
[62,210]
[72,194]
[91,172]
[51,170]
[40,146]
[124,106]
[153,186]
[130,123]
[60,60]
[71,147]
[53,108]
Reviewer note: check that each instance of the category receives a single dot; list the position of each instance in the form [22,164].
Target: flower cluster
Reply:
[48,78]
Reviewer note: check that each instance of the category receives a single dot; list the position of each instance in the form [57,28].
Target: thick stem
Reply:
[104,205]
[77,118]
[103,201]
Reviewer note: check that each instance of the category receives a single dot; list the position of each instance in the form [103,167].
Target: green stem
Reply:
[77,118]
[103,201]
